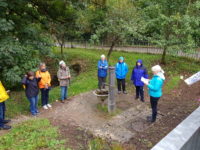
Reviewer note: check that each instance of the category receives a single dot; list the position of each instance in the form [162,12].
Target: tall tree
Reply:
[121,21]
[168,24]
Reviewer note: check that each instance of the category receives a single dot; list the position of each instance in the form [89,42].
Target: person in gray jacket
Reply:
[64,76]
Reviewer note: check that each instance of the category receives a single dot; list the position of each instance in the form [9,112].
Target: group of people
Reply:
[41,81]
[139,77]
[35,82]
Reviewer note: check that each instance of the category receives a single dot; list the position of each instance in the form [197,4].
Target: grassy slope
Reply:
[86,81]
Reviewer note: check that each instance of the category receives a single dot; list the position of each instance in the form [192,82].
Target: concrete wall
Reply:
[186,136]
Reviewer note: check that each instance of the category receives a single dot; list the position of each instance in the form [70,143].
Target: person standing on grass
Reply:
[32,90]
[121,70]
[64,76]
[44,85]
[3,97]
[138,72]
[102,72]
[155,89]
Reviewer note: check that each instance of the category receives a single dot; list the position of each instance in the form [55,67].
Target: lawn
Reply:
[33,134]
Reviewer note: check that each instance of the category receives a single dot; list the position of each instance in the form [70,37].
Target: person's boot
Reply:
[119,92]
[5,127]
[137,97]
[6,121]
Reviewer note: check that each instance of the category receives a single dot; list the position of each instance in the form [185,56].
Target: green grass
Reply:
[31,135]
[99,144]
[104,109]
[87,80]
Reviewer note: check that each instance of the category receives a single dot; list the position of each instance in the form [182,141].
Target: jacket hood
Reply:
[140,61]
[161,75]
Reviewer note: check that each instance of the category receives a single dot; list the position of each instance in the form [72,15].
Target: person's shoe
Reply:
[62,101]
[119,92]
[5,127]
[6,121]
[125,92]
[142,100]
[45,107]
[48,105]
[136,98]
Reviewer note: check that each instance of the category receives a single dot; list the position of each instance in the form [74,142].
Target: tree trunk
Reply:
[163,60]
[110,50]
[61,50]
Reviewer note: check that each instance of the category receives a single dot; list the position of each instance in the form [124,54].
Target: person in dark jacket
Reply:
[102,72]
[31,89]
[138,72]
[121,70]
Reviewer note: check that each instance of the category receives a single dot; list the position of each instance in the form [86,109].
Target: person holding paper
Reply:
[121,72]
[139,72]
[155,89]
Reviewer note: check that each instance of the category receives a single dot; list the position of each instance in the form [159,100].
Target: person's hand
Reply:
[46,86]
[146,82]
[25,75]
[8,91]
[39,76]
[101,67]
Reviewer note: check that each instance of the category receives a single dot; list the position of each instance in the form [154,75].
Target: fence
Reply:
[186,136]
[139,48]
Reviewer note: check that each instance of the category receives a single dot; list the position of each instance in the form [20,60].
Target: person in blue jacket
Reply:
[138,72]
[121,70]
[102,72]
[155,89]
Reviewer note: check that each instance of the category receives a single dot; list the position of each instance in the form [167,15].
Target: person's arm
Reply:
[99,65]
[146,73]
[24,80]
[132,75]
[156,86]
[106,65]
[49,79]
[69,74]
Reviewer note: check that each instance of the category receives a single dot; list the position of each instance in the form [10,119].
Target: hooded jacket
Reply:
[155,85]
[32,88]
[62,74]
[139,72]
[45,78]
[121,70]
[102,68]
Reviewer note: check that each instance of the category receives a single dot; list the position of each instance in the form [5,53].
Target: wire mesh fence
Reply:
[140,47]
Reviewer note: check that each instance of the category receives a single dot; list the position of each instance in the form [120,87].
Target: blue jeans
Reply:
[2,113]
[33,105]
[64,90]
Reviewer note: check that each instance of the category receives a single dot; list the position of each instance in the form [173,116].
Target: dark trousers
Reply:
[2,113]
[154,103]
[45,96]
[121,84]
[139,92]
[101,83]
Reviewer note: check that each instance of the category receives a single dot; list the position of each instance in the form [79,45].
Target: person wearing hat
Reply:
[138,72]
[102,72]
[121,70]
[44,85]
[155,89]
[64,76]
[32,90]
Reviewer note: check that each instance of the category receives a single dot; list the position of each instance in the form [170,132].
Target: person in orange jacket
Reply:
[44,85]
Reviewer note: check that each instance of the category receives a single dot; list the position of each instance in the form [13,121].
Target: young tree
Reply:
[169,24]
[121,21]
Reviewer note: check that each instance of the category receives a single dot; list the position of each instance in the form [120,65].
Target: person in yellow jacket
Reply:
[3,97]
[44,85]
